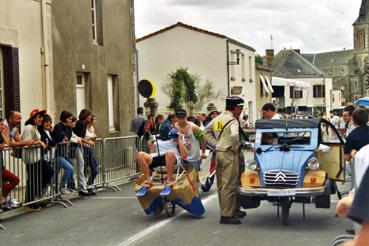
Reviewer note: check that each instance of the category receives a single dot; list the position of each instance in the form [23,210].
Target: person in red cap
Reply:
[39,172]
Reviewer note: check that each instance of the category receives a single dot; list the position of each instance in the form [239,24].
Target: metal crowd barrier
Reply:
[119,159]
[1,182]
[36,178]
[115,158]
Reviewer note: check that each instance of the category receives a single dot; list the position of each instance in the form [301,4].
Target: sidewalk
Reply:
[90,221]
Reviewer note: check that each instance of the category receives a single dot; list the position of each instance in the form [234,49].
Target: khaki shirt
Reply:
[230,138]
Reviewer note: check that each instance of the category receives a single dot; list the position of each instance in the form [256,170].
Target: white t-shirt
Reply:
[165,146]
[277,117]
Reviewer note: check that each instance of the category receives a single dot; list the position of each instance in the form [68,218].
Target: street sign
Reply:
[146,88]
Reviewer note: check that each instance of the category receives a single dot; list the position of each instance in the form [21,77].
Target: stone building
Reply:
[23,38]
[93,61]
[347,67]
[54,56]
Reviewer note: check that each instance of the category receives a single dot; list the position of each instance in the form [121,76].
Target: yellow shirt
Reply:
[230,138]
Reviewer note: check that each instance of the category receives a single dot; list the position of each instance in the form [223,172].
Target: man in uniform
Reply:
[223,132]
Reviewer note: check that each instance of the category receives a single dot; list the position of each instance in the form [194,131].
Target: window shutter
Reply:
[11,79]
[291,92]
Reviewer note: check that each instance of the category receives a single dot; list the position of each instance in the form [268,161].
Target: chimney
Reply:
[269,56]
[297,51]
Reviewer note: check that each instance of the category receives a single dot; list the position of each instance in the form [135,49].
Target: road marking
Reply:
[115,197]
[156,226]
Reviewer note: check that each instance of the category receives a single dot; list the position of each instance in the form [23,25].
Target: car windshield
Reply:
[290,138]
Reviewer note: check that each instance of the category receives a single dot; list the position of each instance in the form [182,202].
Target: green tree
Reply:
[180,88]
[185,88]
[259,59]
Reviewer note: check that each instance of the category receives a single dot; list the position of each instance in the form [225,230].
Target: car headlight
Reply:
[313,164]
[251,165]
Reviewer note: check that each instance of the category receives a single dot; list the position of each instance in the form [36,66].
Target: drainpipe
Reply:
[45,52]
[135,50]
[227,64]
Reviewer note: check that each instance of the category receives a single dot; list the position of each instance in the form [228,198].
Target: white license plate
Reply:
[285,192]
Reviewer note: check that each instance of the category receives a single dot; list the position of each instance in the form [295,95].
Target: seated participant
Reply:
[167,154]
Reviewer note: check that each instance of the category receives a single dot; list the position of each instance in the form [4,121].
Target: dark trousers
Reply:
[92,163]
[39,174]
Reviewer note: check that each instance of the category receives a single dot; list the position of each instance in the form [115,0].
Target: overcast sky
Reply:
[310,25]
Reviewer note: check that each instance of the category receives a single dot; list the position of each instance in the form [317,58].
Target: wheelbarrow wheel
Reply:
[170,208]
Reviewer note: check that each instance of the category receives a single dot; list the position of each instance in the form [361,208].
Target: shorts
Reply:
[158,161]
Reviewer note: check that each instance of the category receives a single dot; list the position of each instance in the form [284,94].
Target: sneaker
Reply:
[13,203]
[91,192]
[83,193]
[6,207]
[65,191]
[72,189]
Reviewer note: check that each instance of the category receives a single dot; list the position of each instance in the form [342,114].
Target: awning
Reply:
[277,81]
[269,84]
[264,84]
[363,102]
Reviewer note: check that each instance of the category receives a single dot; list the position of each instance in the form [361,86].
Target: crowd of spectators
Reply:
[45,152]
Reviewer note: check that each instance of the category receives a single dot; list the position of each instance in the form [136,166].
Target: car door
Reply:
[330,152]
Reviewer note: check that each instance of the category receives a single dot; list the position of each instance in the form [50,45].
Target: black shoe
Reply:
[230,220]
[91,192]
[83,193]
[239,214]
[350,231]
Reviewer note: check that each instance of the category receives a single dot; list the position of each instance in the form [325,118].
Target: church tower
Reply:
[361,30]
[358,77]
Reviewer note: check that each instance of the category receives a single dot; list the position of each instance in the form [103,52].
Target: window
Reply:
[80,93]
[236,90]
[290,138]
[250,69]
[261,88]
[96,20]
[233,59]
[318,91]
[10,93]
[295,92]
[113,103]
[243,65]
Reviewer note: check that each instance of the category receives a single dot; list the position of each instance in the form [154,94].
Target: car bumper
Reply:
[271,192]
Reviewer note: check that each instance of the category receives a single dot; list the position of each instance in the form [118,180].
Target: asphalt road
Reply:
[115,218]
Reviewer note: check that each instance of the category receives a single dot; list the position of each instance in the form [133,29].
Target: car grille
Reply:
[284,178]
